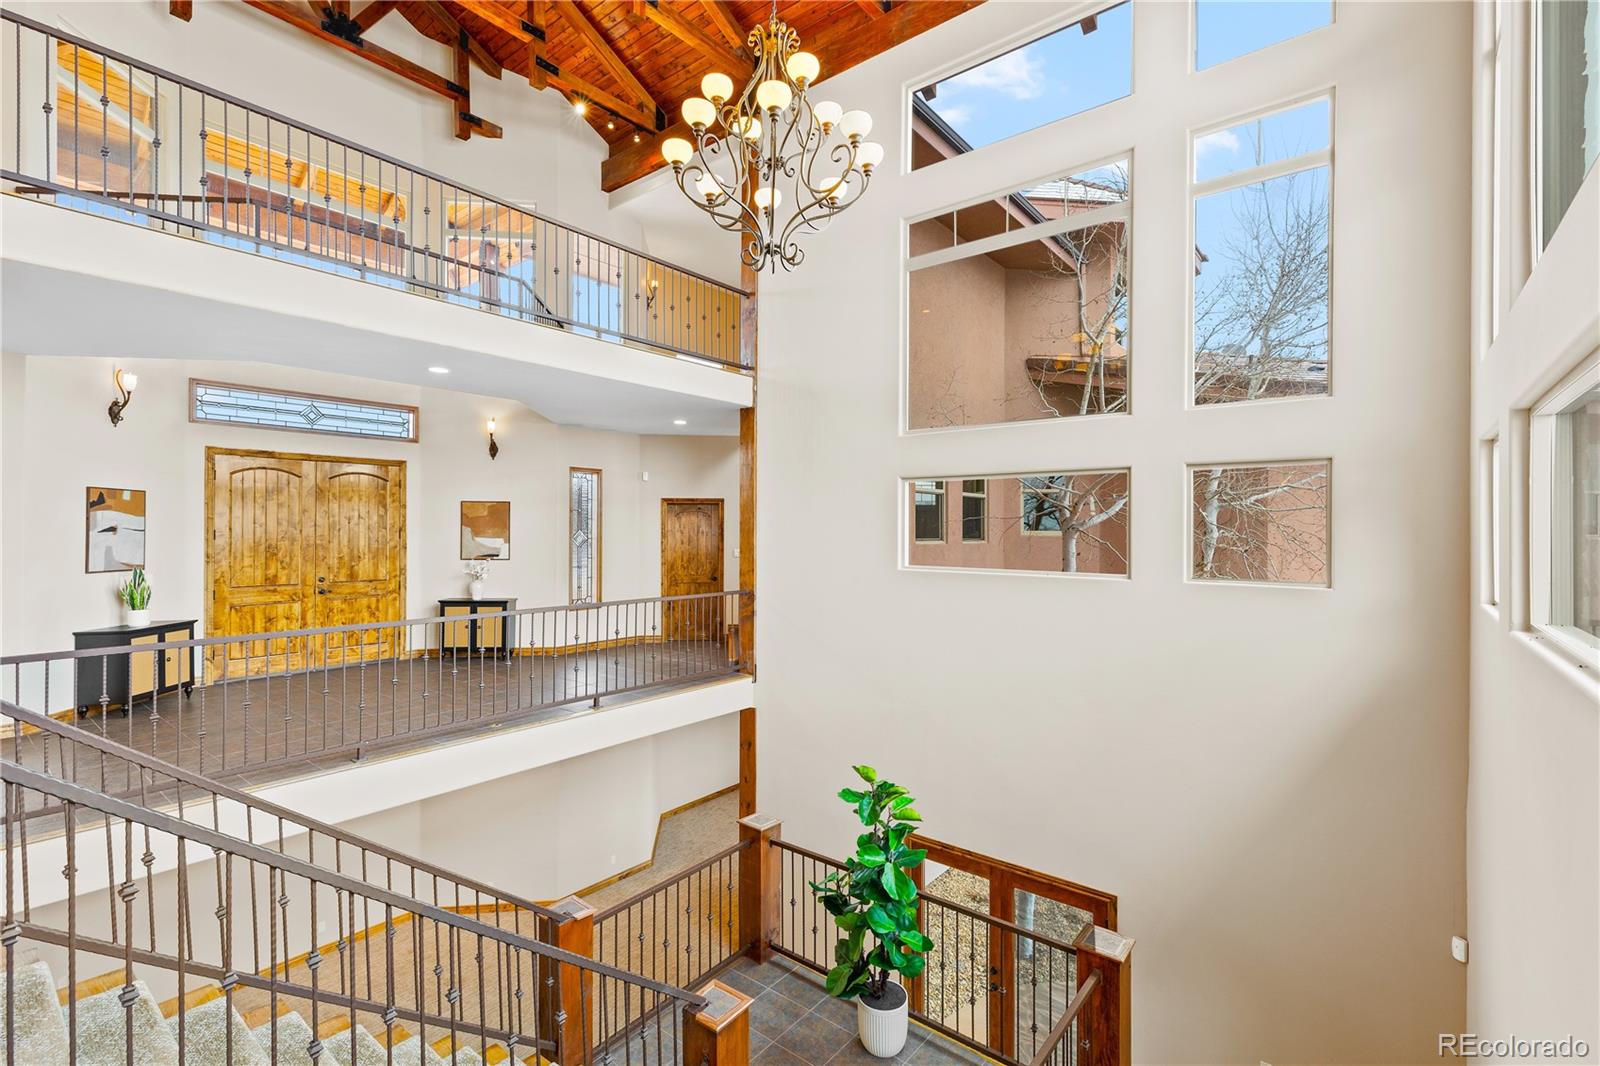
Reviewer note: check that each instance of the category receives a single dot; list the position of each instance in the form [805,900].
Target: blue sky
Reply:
[1266,139]
[1069,71]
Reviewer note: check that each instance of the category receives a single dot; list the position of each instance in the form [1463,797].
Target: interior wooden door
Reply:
[302,542]
[360,556]
[691,562]
[259,569]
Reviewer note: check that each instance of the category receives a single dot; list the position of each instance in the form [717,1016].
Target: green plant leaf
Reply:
[914,965]
[907,814]
[868,774]
[838,977]
[880,921]
[910,856]
[915,940]
[901,802]
[851,921]
[865,812]
[897,884]
[850,795]
[871,855]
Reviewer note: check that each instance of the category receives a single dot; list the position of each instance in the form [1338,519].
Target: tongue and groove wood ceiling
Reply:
[632,63]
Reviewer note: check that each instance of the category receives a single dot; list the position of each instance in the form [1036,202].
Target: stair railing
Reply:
[267,706]
[236,920]
[93,129]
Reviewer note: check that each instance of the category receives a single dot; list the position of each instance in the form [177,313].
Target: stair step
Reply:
[206,1029]
[41,1031]
[294,1037]
[368,1051]
[103,1025]
[413,1052]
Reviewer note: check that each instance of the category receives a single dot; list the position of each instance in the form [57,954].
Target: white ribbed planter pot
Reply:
[136,619]
[883,1025]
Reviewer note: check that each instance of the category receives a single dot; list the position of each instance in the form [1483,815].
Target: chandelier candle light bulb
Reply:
[753,160]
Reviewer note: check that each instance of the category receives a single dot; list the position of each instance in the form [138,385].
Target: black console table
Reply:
[465,633]
[116,680]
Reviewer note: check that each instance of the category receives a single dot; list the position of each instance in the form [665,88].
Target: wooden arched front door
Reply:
[301,542]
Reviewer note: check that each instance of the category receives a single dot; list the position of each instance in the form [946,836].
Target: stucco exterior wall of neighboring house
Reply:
[958,328]
[1006,545]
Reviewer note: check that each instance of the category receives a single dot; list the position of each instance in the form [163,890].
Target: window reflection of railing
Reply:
[97,131]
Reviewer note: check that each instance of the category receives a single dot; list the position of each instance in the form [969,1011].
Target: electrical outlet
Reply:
[1458,948]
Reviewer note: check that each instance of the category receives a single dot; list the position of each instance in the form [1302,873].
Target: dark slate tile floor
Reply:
[794,1022]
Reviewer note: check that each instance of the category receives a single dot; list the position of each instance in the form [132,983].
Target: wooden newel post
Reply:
[574,932]
[1105,1027]
[719,1033]
[760,885]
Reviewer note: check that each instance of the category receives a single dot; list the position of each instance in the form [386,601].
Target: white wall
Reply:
[1271,779]
[55,440]
[1533,798]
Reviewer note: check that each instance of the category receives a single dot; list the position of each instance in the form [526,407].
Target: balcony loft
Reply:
[390,256]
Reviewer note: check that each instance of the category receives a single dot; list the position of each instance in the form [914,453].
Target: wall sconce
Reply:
[126,383]
[494,449]
[650,297]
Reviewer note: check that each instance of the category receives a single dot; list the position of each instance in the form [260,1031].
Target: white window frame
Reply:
[1326,584]
[1099,216]
[1060,20]
[1550,517]
[1194,38]
[1491,498]
[1322,157]
[983,518]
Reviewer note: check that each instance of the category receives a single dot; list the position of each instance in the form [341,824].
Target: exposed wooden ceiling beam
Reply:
[735,58]
[368,16]
[452,35]
[304,19]
[183,9]
[528,28]
[840,47]
[875,8]
[726,21]
[597,44]
[537,16]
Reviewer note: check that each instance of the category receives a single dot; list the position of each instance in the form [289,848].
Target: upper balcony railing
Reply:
[98,131]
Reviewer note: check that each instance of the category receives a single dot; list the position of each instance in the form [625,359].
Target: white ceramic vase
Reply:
[475,589]
[883,1024]
[135,619]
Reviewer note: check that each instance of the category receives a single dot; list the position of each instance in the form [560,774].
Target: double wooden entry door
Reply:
[302,542]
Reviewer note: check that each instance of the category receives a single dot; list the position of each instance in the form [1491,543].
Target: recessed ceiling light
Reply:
[680,422]
[438,370]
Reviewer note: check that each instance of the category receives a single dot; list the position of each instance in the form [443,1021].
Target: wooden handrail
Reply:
[1059,1031]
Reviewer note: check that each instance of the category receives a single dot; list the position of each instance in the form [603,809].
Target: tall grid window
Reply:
[1568,128]
[583,551]
[927,511]
[1262,198]
[974,509]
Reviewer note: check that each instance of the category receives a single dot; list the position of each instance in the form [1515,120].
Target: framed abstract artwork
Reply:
[113,529]
[485,529]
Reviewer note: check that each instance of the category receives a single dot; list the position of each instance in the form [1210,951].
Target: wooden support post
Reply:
[747,762]
[575,933]
[760,885]
[719,1034]
[747,536]
[1106,1024]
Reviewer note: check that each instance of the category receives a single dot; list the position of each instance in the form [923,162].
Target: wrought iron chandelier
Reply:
[769,164]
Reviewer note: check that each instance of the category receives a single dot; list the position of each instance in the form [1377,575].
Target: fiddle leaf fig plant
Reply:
[874,896]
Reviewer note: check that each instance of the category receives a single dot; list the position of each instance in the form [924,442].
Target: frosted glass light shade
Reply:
[855,124]
[715,87]
[699,112]
[768,198]
[773,95]
[748,127]
[130,381]
[803,67]
[868,155]
[828,113]
[676,150]
[708,187]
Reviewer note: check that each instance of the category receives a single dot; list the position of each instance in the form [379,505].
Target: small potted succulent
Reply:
[873,901]
[135,596]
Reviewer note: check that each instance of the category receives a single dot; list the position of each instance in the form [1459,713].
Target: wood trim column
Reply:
[574,932]
[747,539]
[1106,1024]
[719,1033]
[747,762]
[760,885]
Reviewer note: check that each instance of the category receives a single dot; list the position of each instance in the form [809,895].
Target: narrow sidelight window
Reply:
[583,553]
[1569,104]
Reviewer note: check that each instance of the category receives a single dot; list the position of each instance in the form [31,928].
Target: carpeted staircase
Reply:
[40,1016]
